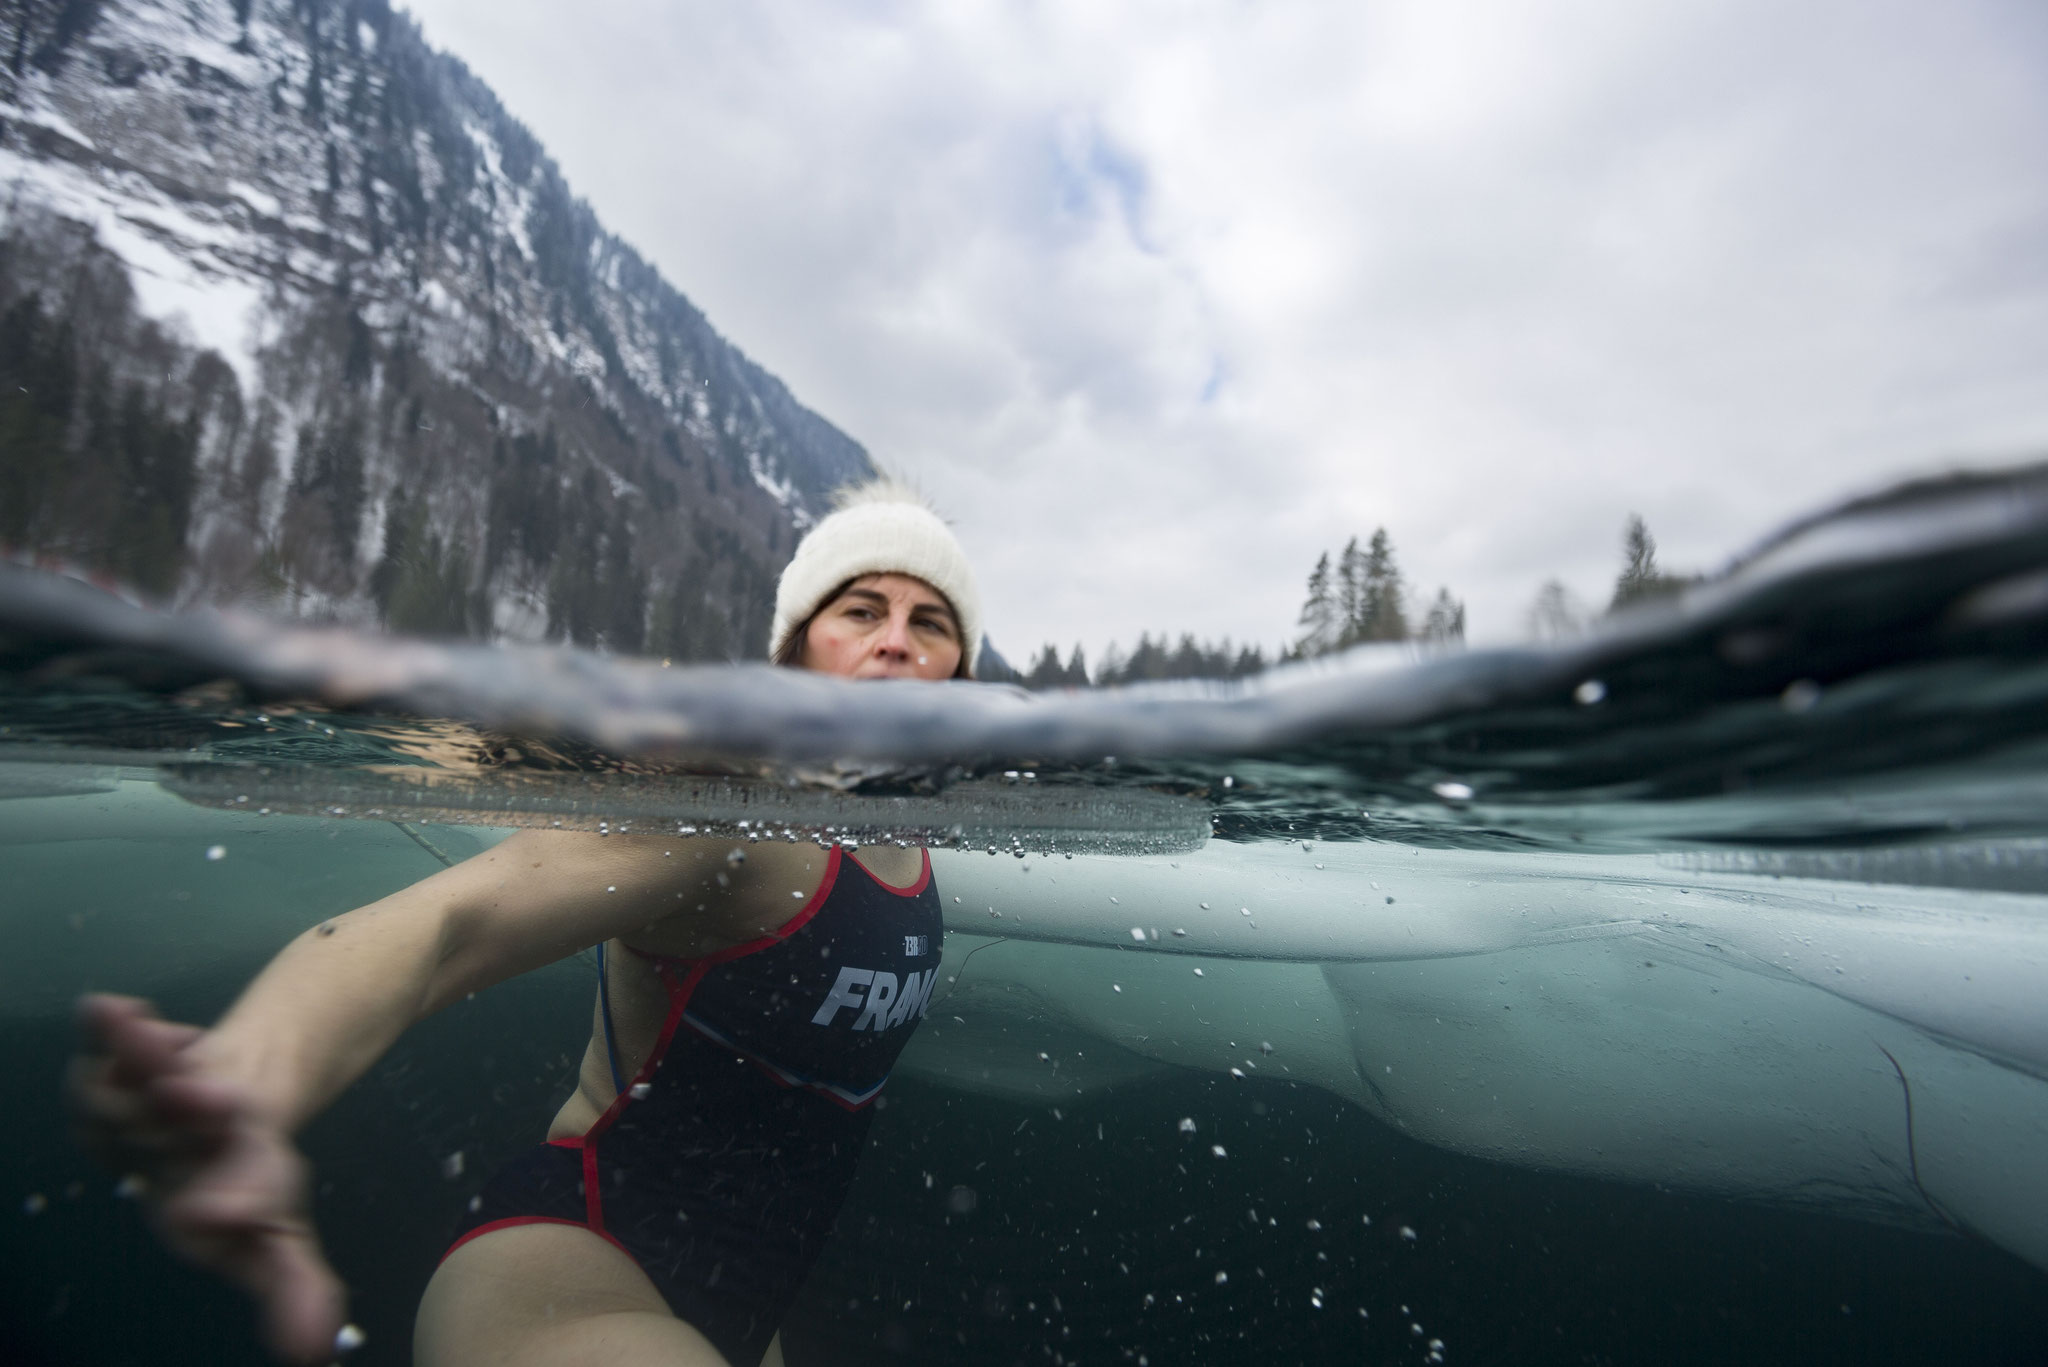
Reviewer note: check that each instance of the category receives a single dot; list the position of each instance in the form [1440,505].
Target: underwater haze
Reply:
[1675,994]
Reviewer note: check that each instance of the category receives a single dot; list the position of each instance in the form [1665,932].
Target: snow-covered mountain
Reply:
[293,311]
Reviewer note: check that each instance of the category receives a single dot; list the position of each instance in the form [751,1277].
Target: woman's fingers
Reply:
[97,1009]
[134,1096]
[243,1215]
[231,1187]
[279,1264]
[101,1017]
[119,1125]
[303,1301]
[195,1101]
[145,1047]
[94,1100]
[254,1180]
[136,1044]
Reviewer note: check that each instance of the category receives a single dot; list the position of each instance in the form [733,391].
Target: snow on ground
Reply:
[219,313]
[261,201]
[509,208]
[44,116]
[173,258]
[205,34]
[783,491]
[629,333]
[434,296]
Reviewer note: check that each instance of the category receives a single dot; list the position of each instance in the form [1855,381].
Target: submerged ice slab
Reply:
[1599,1015]
[1965,965]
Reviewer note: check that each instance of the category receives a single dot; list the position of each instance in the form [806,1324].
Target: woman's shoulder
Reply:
[898,868]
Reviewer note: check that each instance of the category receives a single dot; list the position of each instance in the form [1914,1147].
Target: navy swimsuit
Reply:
[722,1163]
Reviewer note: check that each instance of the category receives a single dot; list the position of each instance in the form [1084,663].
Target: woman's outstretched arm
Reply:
[339,995]
[205,1118]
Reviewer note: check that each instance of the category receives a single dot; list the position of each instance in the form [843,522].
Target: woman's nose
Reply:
[896,638]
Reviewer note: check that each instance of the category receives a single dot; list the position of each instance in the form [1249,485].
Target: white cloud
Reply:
[1160,300]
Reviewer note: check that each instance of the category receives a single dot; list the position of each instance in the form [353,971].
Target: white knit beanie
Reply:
[881,527]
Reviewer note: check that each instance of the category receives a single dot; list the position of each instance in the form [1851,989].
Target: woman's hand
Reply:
[204,1119]
[226,1186]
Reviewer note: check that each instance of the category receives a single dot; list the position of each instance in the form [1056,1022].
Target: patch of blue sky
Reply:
[1092,175]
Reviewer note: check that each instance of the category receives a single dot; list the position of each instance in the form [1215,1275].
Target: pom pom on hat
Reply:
[880,527]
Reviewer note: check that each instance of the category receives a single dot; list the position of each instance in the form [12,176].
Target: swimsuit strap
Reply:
[604,996]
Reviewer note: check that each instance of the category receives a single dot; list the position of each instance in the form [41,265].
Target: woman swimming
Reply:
[751,1004]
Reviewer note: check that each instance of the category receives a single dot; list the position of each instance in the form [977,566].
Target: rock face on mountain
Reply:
[292,312]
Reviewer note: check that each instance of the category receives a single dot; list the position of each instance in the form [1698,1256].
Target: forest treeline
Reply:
[1359,596]
[166,480]
[1356,598]
[1557,612]
[1150,661]
[61,418]
[562,449]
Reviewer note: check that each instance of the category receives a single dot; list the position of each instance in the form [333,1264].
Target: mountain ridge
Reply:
[296,313]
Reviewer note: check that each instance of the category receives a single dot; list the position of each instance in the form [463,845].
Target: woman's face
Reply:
[884,626]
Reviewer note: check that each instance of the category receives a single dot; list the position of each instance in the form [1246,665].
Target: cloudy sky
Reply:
[1158,300]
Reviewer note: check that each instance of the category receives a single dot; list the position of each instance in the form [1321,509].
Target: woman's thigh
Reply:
[548,1295]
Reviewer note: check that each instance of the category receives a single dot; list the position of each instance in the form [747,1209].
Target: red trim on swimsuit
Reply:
[678,1000]
[924,876]
[698,967]
[511,1221]
[777,935]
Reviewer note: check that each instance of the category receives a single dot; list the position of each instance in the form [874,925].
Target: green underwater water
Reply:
[1096,1227]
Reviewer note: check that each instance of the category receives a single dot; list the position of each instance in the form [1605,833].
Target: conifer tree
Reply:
[1322,627]
[1639,560]
[1046,671]
[1556,613]
[1641,577]
[1381,614]
[38,387]
[1445,623]
[1351,577]
[1153,662]
[1149,662]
